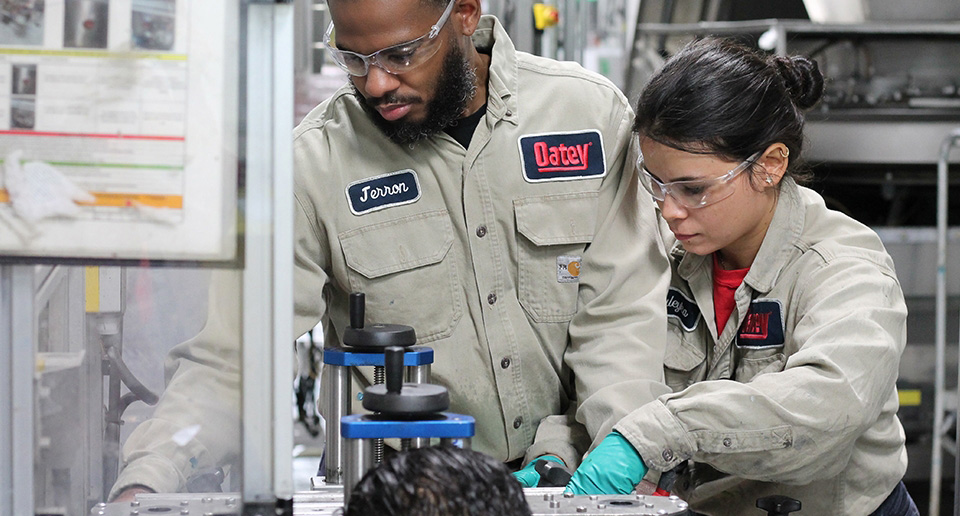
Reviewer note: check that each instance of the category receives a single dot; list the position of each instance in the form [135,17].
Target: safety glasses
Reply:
[695,193]
[395,59]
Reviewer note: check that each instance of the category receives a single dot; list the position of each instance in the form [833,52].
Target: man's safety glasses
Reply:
[395,59]
[695,193]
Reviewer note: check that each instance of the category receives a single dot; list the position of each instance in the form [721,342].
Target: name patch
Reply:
[377,193]
[562,156]
[683,309]
[763,325]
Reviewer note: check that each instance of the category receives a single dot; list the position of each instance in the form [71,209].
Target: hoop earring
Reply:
[784,154]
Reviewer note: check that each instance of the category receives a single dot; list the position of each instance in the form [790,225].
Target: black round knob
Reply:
[778,505]
[374,337]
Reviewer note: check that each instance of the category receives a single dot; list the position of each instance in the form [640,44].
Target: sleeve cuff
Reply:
[153,472]
[658,436]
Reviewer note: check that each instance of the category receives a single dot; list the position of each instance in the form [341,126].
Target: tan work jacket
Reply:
[527,261]
[798,395]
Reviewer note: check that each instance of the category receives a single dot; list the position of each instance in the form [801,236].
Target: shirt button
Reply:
[517,422]
[667,455]
[505,363]
[509,113]
[481,231]
[727,442]
[492,298]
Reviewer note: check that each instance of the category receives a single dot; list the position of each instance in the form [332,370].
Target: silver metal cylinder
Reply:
[359,454]
[417,374]
[335,395]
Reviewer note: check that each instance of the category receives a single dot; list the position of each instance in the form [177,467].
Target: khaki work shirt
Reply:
[798,395]
[482,261]
[539,287]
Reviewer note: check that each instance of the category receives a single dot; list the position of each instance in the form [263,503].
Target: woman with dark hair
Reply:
[786,319]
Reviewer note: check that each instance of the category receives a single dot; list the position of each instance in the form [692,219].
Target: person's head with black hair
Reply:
[438,481]
[720,125]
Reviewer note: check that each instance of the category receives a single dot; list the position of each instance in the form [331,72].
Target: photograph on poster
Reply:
[22,112]
[85,23]
[24,79]
[21,22]
[153,23]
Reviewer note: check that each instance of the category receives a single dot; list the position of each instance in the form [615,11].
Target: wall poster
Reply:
[118,129]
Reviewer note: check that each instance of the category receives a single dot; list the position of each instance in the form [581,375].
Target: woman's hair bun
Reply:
[802,78]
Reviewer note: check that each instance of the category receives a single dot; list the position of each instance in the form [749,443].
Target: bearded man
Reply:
[488,198]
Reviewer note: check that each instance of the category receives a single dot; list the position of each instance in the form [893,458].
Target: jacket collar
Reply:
[502,85]
[775,251]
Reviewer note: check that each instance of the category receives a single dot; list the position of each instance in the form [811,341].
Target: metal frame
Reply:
[943,405]
[17,351]
[267,428]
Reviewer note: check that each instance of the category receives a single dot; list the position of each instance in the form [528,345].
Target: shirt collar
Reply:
[502,84]
[785,229]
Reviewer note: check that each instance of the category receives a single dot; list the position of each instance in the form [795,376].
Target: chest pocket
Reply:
[684,363]
[403,267]
[555,231]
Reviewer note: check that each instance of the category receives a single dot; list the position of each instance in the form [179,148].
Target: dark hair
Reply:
[438,481]
[716,96]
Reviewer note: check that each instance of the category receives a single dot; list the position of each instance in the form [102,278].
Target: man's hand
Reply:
[528,476]
[130,493]
[613,467]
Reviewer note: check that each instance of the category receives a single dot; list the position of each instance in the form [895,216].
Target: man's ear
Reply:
[466,16]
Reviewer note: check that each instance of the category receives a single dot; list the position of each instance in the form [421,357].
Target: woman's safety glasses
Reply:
[695,193]
[395,59]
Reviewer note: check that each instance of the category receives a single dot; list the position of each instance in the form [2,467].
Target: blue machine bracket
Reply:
[413,356]
[443,425]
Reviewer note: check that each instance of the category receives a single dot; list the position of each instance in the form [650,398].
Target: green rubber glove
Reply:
[528,476]
[613,467]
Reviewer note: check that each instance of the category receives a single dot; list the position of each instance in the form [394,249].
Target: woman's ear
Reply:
[774,161]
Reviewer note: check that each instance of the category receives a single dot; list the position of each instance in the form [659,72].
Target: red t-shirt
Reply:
[725,284]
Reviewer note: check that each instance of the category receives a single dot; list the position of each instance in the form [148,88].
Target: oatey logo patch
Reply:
[568,269]
[377,193]
[562,156]
[763,325]
[683,309]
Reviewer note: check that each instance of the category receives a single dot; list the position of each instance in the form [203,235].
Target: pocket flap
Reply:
[398,245]
[557,219]
[681,356]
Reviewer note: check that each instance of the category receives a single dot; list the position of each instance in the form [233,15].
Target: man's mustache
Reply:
[392,99]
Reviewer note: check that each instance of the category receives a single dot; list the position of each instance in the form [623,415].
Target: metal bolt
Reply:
[567,495]
[554,504]
[206,499]
[581,509]
[594,498]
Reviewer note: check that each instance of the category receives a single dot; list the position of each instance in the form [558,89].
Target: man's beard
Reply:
[456,86]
